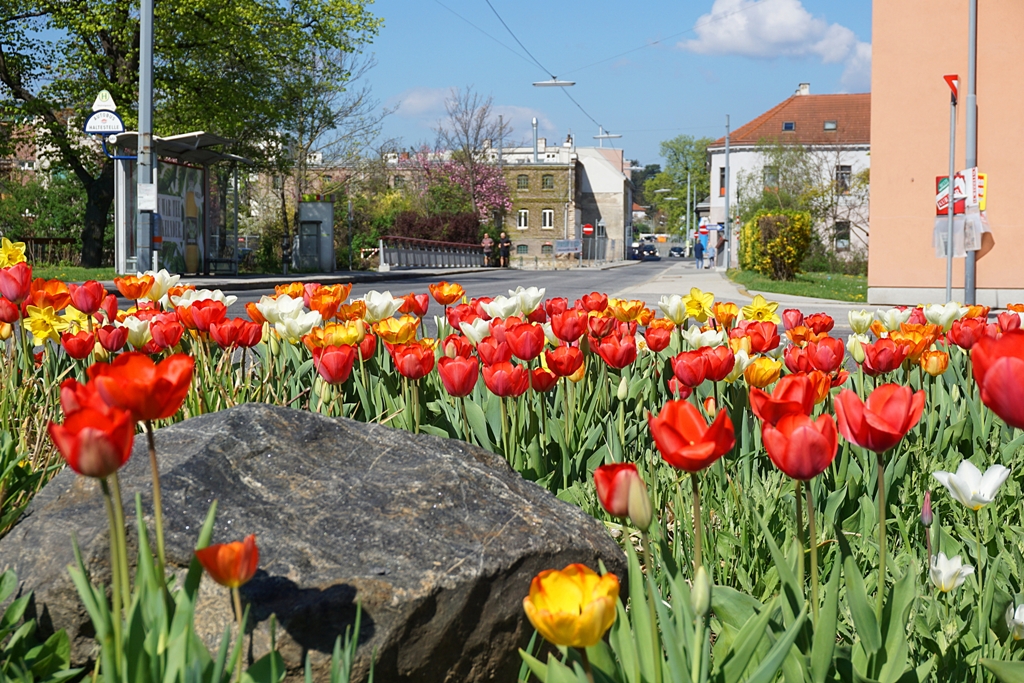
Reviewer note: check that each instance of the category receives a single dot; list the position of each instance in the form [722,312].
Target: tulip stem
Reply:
[652,596]
[697,541]
[881,535]
[158,510]
[504,427]
[115,572]
[465,420]
[122,541]
[799,500]
[236,598]
[982,629]
[586,664]
[565,395]
[813,543]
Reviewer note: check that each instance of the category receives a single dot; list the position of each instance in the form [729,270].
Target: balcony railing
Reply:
[408,252]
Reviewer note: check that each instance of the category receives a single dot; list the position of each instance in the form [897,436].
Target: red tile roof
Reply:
[852,114]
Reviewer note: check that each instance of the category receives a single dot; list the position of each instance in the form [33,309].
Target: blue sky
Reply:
[699,60]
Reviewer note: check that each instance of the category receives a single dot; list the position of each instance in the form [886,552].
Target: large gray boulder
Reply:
[437,539]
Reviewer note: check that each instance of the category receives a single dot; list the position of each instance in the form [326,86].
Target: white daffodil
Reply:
[281,308]
[162,281]
[292,329]
[501,306]
[549,334]
[860,321]
[380,305]
[855,345]
[972,488]
[529,298]
[673,308]
[944,314]
[138,331]
[698,338]
[476,330]
[948,573]
[189,296]
[1015,620]
[742,361]
[892,318]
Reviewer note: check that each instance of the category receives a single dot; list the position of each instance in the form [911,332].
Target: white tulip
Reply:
[380,305]
[501,306]
[972,488]
[673,308]
[945,314]
[475,331]
[529,298]
[698,338]
[138,331]
[948,573]
[892,318]
[276,310]
[854,344]
[191,295]
[860,321]
[294,328]
[162,281]
[549,334]
[742,361]
[1015,621]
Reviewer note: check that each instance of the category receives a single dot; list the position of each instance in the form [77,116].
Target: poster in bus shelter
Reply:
[180,205]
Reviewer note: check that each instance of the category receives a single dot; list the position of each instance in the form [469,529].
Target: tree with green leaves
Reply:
[683,154]
[223,66]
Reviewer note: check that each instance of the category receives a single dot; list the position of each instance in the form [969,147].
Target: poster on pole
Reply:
[180,205]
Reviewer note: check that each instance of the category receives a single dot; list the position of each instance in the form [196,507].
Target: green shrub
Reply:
[774,243]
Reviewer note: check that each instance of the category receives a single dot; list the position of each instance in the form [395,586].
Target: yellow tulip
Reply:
[573,607]
[626,310]
[762,372]
[398,330]
[761,310]
[6,330]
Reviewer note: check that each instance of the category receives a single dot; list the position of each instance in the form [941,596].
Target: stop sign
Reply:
[588,229]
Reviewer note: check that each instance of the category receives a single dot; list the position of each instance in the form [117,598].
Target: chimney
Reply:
[535,160]
[804,89]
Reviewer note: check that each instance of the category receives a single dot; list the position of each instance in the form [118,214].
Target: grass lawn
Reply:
[73,273]
[821,285]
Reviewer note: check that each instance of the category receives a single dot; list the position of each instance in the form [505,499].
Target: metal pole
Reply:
[350,235]
[235,249]
[687,208]
[144,168]
[727,231]
[949,187]
[971,134]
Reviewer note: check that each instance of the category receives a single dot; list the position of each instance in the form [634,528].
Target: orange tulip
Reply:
[254,313]
[801,335]
[626,310]
[149,390]
[295,290]
[725,312]
[762,372]
[397,330]
[327,299]
[231,564]
[353,311]
[934,362]
[133,286]
[52,293]
[446,293]
[646,316]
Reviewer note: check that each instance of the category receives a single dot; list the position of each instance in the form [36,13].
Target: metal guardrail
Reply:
[408,252]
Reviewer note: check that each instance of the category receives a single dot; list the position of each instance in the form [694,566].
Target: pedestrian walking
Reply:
[698,254]
[710,255]
[488,245]
[504,247]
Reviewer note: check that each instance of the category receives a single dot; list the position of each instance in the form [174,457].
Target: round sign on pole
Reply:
[588,229]
[703,229]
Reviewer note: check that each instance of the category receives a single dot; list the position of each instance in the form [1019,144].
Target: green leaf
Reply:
[770,665]
[824,642]
[270,668]
[863,616]
[1006,672]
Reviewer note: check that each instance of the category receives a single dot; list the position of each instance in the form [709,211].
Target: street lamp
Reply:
[553,83]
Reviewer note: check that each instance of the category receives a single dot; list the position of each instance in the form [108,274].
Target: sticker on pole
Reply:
[104,122]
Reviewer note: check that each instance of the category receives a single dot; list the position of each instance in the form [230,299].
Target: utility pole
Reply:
[145,255]
[971,136]
[949,187]
[728,232]
[687,210]
[350,235]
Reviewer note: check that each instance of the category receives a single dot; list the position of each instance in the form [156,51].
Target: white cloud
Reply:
[765,29]
[420,102]
[521,120]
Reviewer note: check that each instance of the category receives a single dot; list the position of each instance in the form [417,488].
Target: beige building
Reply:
[914,45]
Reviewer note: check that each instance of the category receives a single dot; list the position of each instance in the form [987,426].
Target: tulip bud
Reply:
[623,393]
[860,321]
[926,510]
[700,593]
[855,346]
[6,330]
[639,506]
[709,405]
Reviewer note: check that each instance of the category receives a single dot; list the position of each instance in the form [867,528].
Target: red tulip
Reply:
[94,443]
[966,333]
[617,351]
[792,317]
[492,351]
[684,438]
[231,564]
[457,346]
[250,334]
[368,346]
[917,316]
[538,316]
[415,304]
[720,362]
[334,363]
[797,359]
[526,340]
[678,389]
[601,326]
[505,379]
[1008,321]
[826,354]
[16,282]
[112,338]
[77,396]
[595,301]
[883,420]
[799,446]
[542,380]
[151,391]
[166,333]
[413,360]
[570,325]
[690,367]
[613,483]
[820,323]
[78,346]
[207,312]
[458,374]
[883,356]
[564,360]
[478,309]
[87,297]
[658,338]
[764,336]
[226,332]
[9,311]
[109,308]
[793,394]
[463,313]
[556,306]
[998,371]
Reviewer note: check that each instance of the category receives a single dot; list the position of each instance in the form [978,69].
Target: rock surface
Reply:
[437,539]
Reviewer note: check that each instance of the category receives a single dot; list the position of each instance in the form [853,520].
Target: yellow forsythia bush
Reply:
[774,243]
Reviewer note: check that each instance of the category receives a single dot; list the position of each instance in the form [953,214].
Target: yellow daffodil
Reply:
[761,310]
[698,304]
[11,252]
[573,607]
[44,324]
[75,319]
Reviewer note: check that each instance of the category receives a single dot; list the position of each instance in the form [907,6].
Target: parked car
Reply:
[675,252]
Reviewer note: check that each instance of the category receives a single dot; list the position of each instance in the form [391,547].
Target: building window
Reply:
[771,177]
[841,231]
[721,181]
[523,219]
[399,182]
[831,125]
[547,250]
[522,182]
[522,249]
[789,125]
[547,219]
[547,182]
[844,176]
[328,178]
[277,182]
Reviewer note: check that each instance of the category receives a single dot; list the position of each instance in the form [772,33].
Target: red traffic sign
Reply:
[704,230]
[588,229]
[953,81]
